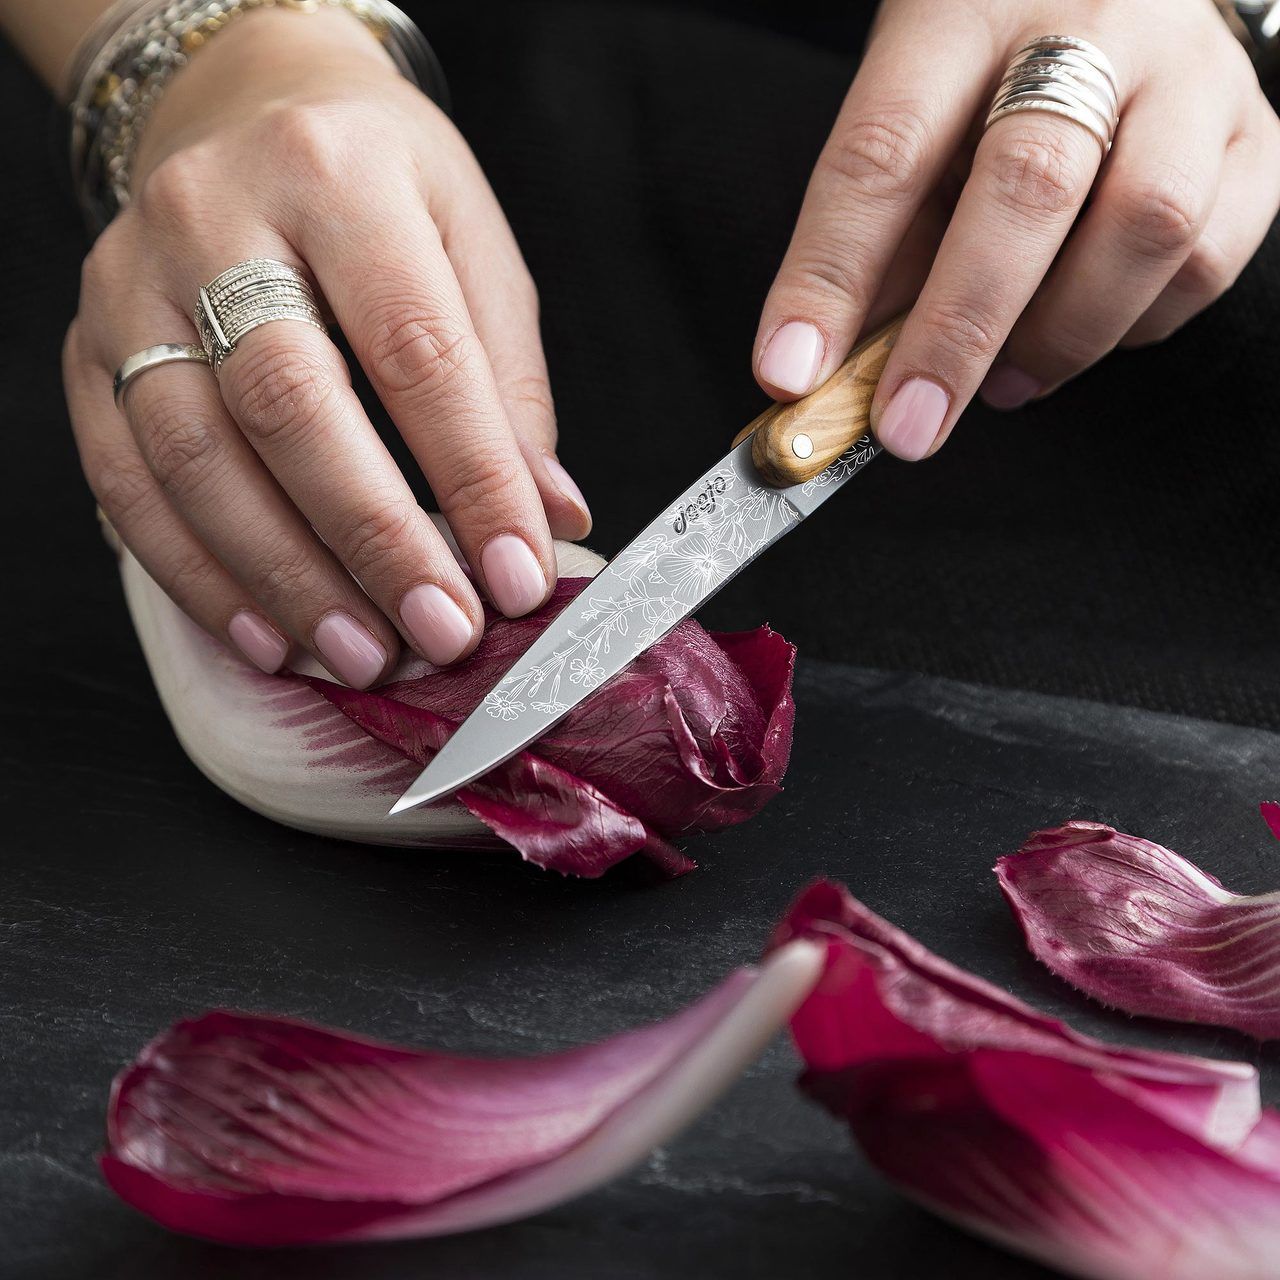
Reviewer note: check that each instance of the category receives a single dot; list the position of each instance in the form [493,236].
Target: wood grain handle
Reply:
[793,442]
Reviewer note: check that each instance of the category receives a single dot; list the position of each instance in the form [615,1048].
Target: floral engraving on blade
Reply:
[501,705]
[700,562]
[852,460]
[585,671]
[657,581]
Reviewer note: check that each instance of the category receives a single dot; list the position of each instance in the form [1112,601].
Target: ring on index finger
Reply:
[149,358]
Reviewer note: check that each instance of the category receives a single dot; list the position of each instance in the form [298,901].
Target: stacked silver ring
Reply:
[251,293]
[1065,76]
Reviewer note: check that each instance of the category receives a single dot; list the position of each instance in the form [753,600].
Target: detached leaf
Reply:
[256,1130]
[1101,1161]
[1141,928]
[1270,811]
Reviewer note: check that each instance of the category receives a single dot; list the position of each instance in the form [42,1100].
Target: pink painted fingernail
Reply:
[1008,387]
[565,483]
[262,644]
[791,359]
[349,651]
[438,626]
[513,575]
[912,419]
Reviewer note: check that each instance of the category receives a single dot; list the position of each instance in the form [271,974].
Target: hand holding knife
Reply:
[782,468]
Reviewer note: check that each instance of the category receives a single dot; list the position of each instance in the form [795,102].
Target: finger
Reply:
[1030,175]
[140,513]
[906,114]
[289,391]
[503,305]
[908,269]
[224,494]
[1248,198]
[1148,211]
[409,325]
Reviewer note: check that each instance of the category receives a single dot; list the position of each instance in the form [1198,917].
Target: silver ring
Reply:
[252,293]
[1064,76]
[149,358]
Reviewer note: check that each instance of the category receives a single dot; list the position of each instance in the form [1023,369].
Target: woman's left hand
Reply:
[1018,289]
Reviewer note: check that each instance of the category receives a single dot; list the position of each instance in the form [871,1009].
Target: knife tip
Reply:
[406,801]
[425,789]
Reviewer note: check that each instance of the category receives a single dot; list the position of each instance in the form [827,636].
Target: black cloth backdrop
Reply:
[1117,542]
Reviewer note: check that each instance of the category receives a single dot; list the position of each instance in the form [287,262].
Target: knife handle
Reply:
[793,442]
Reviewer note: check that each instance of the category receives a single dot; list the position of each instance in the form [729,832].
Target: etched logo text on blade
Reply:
[704,503]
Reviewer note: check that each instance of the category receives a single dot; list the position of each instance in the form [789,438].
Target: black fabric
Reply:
[1118,541]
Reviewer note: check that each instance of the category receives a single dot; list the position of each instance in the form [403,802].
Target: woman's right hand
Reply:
[262,500]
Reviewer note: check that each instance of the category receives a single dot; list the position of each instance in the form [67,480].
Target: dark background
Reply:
[1117,543]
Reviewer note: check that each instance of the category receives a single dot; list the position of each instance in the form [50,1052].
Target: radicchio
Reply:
[1141,928]
[256,1130]
[694,735]
[1270,811]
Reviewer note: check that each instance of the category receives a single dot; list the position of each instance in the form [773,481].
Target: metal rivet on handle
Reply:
[802,446]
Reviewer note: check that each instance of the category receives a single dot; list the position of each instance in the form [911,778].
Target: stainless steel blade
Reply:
[712,531]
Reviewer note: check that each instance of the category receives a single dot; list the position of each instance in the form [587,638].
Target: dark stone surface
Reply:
[135,894]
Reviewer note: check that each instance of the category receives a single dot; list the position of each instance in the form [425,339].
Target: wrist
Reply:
[262,58]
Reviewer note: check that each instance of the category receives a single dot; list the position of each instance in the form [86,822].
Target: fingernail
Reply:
[912,419]
[1007,387]
[564,482]
[513,575]
[349,651]
[791,359]
[263,645]
[438,626]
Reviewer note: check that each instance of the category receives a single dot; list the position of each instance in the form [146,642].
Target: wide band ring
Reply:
[149,358]
[1064,76]
[252,293]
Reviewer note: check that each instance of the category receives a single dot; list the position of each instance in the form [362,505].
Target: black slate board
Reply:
[135,893]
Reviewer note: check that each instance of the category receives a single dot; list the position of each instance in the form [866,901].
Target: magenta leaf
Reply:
[256,1130]
[1141,928]
[695,735]
[1270,811]
[1102,1161]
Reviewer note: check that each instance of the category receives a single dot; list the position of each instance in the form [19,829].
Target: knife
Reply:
[781,469]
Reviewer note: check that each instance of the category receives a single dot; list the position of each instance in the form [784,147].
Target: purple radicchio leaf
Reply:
[1141,928]
[1101,1161]
[1270,811]
[255,1130]
[694,735]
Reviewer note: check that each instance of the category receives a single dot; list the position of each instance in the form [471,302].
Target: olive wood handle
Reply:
[793,442]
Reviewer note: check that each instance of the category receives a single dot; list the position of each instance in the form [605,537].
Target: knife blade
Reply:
[782,468]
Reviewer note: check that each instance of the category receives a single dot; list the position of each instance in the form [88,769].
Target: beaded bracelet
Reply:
[128,57]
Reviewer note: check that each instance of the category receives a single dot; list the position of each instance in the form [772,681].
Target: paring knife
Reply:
[782,468]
